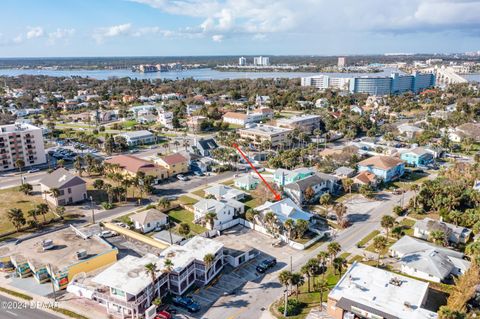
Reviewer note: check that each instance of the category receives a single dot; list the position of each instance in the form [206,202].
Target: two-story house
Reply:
[175,163]
[386,168]
[71,188]
[282,177]
[417,156]
[225,210]
[310,188]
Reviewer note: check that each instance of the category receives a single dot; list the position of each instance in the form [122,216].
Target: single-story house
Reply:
[148,220]
[454,234]
[221,191]
[365,178]
[417,156]
[427,261]
[410,131]
[71,188]
[386,168]
[467,130]
[283,210]
[246,182]
[319,183]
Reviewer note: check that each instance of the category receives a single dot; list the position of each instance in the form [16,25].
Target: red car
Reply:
[163,315]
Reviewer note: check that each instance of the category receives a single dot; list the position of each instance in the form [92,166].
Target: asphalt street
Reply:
[13,309]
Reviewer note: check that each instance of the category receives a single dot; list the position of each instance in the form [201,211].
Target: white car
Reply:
[108,233]
[34,170]
[182,177]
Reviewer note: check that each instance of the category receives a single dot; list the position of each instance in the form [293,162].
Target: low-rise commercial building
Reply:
[71,188]
[265,133]
[129,165]
[138,137]
[304,123]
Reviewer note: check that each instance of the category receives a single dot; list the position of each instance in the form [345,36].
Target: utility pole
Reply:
[52,278]
[286,303]
[170,230]
[93,211]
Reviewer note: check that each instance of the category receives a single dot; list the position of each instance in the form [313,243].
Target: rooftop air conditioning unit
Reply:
[81,254]
[47,244]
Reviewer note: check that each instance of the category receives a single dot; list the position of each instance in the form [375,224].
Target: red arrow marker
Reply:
[277,196]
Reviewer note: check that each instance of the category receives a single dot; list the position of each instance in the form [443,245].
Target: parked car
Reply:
[186,303]
[266,264]
[163,315]
[198,173]
[107,234]
[182,177]
[33,170]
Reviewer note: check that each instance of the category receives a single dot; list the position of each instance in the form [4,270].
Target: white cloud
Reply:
[217,37]
[261,17]
[113,31]
[60,34]
[34,32]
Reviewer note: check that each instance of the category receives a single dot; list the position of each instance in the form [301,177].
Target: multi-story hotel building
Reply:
[260,133]
[21,142]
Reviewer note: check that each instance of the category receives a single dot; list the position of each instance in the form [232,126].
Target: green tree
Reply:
[210,219]
[151,270]
[26,188]
[208,260]
[321,287]
[338,264]
[43,209]
[387,222]
[333,249]
[438,237]
[184,229]
[379,243]
[15,215]
[297,280]
[301,226]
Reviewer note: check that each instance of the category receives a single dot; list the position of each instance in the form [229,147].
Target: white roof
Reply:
[143,133]
[284,209]
[246,179]
[266,130]
[297,119]
[371,287]
[223,191]
[128,274]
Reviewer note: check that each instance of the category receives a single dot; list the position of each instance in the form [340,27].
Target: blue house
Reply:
[282,177]
[417,156]
[386,168]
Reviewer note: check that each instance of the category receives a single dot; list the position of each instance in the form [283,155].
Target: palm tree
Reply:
[208,260]
[55,192]
[438,237]
[151,269]
[26,188]
[176,144]
[15,215]
[250,214]
[210,219]
[347,185]
[164,202]
[289,225]
[340,210]
[321,286]
[168,264]
[184,229]
[20,164]
[78,165]
[322,260]
[297,280]
[285,278]
[333,249]
[338,264]
[379,243]
[387,222]
[33,213]
[414,188]
[43,209]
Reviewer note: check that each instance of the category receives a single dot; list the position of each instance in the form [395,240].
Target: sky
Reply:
[55,28]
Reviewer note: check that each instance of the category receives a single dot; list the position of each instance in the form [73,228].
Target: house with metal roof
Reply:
[220,191]
[246,182]
[427,261]
[71,188]
[149,220]
[205,146]
[225,210]
[454,234]
[283,210]
[282,177]
[138,137]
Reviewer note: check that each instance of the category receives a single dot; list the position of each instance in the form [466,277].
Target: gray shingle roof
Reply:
[61,178]
[317,178]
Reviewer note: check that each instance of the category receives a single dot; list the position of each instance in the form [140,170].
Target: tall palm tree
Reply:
[43,209]
[26,188]
[168,264]
[338,264]
[321,286]
[20,164]
[297,280]
[285,278]
[33,213]
[151,269]
[387,222]
[289,225]
[379,243]
[78,165]
[208,260]
[55,193]
[322,258]
[333,249]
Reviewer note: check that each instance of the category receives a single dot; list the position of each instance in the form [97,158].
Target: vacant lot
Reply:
[13,198]
[180,215]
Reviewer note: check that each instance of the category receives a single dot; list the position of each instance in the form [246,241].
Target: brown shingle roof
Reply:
[365,177]
[130,163]
[381,162]
[174,159]
[235,115]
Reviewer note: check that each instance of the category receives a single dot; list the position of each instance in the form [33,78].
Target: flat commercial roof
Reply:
[374,290]
[66,243]
[266,130]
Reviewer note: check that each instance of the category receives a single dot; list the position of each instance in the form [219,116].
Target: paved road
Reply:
[13,309]
[255,297]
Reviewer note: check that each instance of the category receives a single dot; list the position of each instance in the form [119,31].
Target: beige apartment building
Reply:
[305,123]
[21,142]
[261,133]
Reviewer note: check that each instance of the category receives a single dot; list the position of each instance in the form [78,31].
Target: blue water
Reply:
[198,74]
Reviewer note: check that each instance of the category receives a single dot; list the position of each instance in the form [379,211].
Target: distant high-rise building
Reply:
[342,61]
[261,61]
[242,61]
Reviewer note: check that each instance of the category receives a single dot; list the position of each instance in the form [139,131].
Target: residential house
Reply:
[427,261]
[282,177]
[149,220]
[344,172]
[221,191]
[141,137]
[386,168]
[71,188]
[318,183]
[417,156]
[194,123]
[409,131]
[205,146]
[225,210]
[454,234]
[284,209]
[236,118]
[262,100]
[130,166]
[165,118]
[366,178]
[246,182]
[467,130]
[370,292]
[175,163]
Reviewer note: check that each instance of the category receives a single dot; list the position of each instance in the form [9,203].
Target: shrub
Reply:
[294,307]
[106,205]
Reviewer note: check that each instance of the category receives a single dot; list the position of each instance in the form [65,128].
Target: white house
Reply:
[427,261]
[454,234]
[225,210]
[221,191]
[284,209]
[138,137]
[149,220]
[71,188]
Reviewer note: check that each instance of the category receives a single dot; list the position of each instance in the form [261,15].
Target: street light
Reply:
[93,211]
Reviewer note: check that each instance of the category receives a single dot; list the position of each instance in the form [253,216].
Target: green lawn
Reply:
[229,182]
[187,200]
[13,198]
[367,238]
[345,255]
[407,226]
[384,251]
[180,215]
[200,192]
[253,202]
